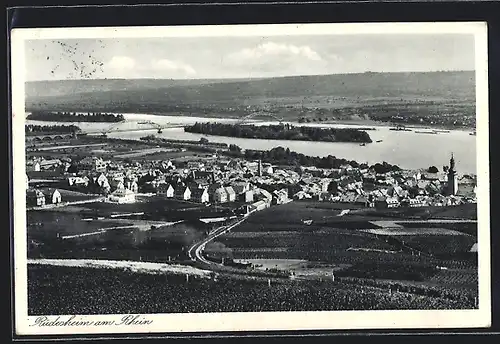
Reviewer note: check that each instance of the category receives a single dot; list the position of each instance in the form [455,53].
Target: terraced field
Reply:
[413,252]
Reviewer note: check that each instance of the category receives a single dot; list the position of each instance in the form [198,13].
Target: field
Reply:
[466,211]
[354,241]
[66,290]
[49,223]
[84,146]
[441,245]
[72,196]
[120,239]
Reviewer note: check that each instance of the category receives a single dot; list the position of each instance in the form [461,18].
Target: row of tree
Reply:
[281,132]
[282,156]
[75,117]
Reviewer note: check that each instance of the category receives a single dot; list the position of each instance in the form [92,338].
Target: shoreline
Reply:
[354,122]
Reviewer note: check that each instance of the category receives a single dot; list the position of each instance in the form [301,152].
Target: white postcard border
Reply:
[262,321]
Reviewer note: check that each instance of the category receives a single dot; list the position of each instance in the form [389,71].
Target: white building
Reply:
[166,189]
[54,196]
[122,196]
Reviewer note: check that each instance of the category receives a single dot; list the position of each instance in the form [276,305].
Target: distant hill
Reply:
[49,88]
[165,95]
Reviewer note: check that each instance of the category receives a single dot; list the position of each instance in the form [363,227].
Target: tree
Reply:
[73,168]
[433,169]
[333,187]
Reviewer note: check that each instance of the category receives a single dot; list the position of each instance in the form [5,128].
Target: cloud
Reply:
[121,62]
[173,66]
[274,50]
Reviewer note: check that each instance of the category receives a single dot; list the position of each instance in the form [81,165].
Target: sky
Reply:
[245,57]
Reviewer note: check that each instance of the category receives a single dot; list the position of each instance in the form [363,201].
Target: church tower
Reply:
[452,178]
[259,170]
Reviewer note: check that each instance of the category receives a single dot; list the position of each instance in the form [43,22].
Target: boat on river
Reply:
[400,128]
[426,132]
[378,141]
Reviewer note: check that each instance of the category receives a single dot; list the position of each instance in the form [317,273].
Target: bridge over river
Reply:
[123,126]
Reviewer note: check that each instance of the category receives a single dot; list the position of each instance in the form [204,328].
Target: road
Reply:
[195,252]
[99,231]
[65,204]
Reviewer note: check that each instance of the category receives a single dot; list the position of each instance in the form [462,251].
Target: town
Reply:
[247,185]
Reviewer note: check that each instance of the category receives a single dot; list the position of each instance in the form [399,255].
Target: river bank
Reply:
[407,149]
[354,122]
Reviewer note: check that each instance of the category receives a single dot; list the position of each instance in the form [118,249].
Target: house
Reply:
[362,200]
[195,165]
[386,202]
[49,164]
[266,195]
[100,184]
[102,181]
[203,177]
[166,189]
[434,188]
[301,195]
[246,197]
[240,187]
[252,166]
[183,192]
[35,198]
[258,206]
[422,184]
[54,196]
[220,195]
[116,184]
[167,165]
[466,190]
[200,195]
[267,169]
[122,196]
[92,164]
[280,196]
[231,195]
[325,196]
[78,181]
[131,185]
[430,176]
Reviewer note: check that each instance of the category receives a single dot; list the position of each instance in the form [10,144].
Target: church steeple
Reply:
[452,177]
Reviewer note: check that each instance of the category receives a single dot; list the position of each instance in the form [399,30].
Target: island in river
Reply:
[281,132]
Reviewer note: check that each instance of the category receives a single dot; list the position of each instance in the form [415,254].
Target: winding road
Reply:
[195,251]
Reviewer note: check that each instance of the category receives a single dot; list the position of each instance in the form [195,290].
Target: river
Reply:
[406,149]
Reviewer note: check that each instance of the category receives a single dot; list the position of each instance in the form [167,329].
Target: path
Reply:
[64,204]
[195,251]
[145,267]
[99,231]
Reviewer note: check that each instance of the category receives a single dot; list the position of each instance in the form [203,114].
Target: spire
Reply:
[452,163]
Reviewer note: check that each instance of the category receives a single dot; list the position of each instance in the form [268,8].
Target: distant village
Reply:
[249,186]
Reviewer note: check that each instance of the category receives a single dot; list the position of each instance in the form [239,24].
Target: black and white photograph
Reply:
[251,177]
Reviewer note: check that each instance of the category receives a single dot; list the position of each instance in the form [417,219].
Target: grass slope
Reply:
[164,95]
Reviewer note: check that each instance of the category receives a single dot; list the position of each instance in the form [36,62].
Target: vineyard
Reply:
[440,245]
[63,290]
